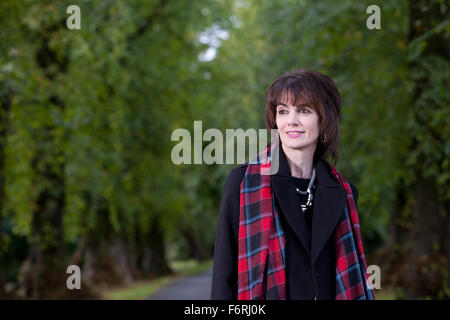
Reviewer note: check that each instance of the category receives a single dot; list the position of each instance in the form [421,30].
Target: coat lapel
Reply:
[329,203]
[284,191]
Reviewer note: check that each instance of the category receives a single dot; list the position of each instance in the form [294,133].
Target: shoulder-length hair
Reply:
[320,93]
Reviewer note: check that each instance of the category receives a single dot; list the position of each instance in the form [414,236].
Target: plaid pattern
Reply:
[351,277]
[261,256]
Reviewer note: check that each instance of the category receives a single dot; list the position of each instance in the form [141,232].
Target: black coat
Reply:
[310,260]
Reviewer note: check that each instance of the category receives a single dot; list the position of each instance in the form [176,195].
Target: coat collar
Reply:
[329,203]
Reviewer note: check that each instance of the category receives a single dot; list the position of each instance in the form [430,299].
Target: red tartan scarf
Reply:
[262,262]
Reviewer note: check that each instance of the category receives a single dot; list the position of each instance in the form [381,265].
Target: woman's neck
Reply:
[300,162]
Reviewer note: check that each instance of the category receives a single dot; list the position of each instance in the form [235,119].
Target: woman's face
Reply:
[298,126]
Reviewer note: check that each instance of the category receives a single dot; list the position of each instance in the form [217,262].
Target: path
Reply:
[196,287]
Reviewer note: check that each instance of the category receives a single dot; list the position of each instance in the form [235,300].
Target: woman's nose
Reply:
[293,118]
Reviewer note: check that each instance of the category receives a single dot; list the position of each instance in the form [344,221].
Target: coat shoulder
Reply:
[235,176]
[354,191]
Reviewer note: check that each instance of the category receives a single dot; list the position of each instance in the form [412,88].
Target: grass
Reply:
[190,267]
[385,293]
[142,289]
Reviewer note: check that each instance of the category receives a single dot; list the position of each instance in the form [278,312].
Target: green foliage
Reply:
[124,80]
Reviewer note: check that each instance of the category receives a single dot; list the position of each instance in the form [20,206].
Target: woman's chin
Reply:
[298,145]
[292,145]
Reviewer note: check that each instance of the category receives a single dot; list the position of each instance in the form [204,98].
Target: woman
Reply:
[293,234]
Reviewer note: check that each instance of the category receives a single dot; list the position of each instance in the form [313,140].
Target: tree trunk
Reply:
[428,219]
[196,249]
[43,274]
[97,264]
[103,255]
[152,261]
[5,101]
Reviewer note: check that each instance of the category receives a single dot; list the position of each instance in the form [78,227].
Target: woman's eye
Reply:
[282,111]
[304,110]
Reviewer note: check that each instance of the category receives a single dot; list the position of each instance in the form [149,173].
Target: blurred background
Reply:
[86,117]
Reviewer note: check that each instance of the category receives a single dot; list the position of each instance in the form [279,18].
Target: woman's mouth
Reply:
[294,134]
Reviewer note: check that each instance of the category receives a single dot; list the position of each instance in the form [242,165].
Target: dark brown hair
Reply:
[320,93]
